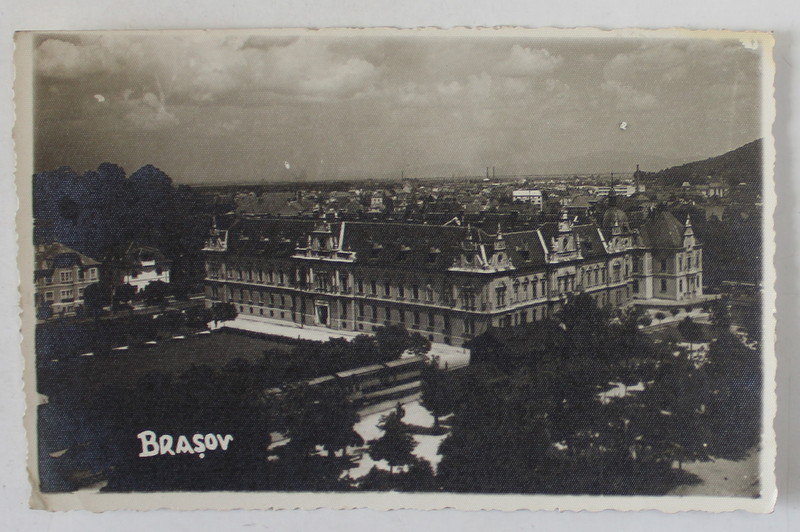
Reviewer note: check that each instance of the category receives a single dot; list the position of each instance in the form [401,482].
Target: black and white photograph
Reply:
[476,268]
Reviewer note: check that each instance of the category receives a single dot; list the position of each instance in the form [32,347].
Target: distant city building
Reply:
[377,199]
[61,276]
[581,206]
[449,283]
[619,190]
[528,195]
[135,265]
[717,190]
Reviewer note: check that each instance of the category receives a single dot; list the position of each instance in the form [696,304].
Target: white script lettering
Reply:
[155,445]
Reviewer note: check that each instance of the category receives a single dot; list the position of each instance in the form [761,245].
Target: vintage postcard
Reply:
[468,268]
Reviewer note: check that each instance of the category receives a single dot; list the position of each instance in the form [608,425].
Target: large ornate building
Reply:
[448,283]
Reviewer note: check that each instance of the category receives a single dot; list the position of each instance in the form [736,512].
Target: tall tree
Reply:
[94,299]
[691,331]
[396,444]
[223,312]
[436,395]
[321,417]
[501,438]
[155,293]
[124,293]
[392,341]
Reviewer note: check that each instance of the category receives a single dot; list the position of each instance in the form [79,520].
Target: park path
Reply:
[720,477]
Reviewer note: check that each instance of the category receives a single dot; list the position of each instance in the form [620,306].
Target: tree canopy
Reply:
[101,209]
[396,444]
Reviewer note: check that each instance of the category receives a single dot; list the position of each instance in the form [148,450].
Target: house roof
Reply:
[662,230]
[417,247]
[57,255]
[590,240]
[583,202]
[131,254]
[615,215]
[267,237]
[524,249]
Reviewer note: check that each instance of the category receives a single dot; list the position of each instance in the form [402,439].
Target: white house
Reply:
[136,265]
[528,195]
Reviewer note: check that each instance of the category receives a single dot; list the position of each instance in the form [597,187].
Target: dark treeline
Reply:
[528,418]
[311,359]
[100,209]
[70,337]
[95,420]
[723,242]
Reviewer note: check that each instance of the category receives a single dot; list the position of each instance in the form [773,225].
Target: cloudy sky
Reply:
[248,107]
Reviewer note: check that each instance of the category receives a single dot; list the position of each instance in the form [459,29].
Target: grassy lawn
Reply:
[170,356]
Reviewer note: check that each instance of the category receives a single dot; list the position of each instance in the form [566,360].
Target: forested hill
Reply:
[742,165]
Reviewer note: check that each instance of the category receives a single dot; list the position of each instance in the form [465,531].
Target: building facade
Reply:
[449,283]
[668,266]
[532,196]
[61,275]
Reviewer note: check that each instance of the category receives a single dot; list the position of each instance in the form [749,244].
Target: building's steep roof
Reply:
[615,216]
[420,247]
[57,255]
[131,254]
[549,231]
[268,237]
[590,241]
[662,230]
[583,202]
[524,249]
[427,247]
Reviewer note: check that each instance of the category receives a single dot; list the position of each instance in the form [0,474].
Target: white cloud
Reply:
[65,60]
[516,86]
[660,62]
[310,68]
[479,86]
[205,69]
[528,62]
[629,98]
[449,89]
[148,113]
[751,44]
[412,94]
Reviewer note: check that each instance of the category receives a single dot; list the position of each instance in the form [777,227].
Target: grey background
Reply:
[778,15]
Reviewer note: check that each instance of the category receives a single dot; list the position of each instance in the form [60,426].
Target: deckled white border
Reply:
[426,501]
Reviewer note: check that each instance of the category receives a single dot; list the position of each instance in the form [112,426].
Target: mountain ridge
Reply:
[741,165]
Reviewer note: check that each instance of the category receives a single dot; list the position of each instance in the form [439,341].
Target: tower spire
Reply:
[564,224]
[688,233]
[499,243]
